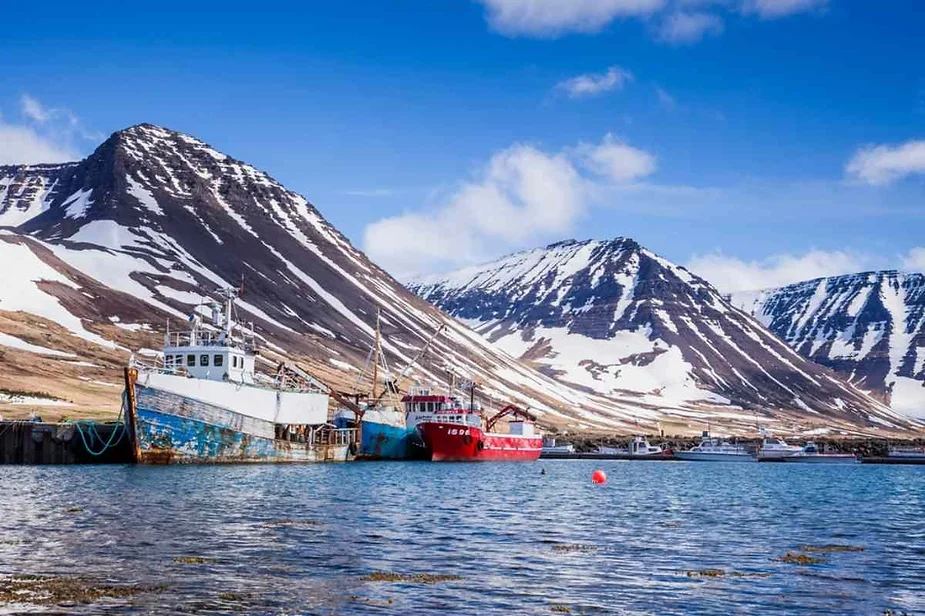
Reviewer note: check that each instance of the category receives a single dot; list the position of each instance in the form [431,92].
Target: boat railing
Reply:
[324,435]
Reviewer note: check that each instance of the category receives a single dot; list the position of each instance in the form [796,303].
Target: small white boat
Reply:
[640,447]
[810,454]
[775,449]
[551,448]
[715,450]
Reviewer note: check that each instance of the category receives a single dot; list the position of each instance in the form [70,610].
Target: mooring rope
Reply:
[94,434]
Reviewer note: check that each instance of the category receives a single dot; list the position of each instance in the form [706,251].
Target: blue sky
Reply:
[758,141]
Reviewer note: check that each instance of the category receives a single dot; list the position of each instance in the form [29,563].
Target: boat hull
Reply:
[169,428]
[696,456]
[776,456]
[822,459]
[457,443]
[380,441]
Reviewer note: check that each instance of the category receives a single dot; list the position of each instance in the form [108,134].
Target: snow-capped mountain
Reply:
[108,249]
[870,327]
[614,318]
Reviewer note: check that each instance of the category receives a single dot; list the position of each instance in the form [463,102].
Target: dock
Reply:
[893,460]
[84,442]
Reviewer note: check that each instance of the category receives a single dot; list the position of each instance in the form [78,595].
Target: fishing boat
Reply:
[386,423]
[810,453]
[206,403]
[774,449]
[715,450]
[457,434]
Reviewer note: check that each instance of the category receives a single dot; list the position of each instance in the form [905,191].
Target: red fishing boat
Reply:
[456,434]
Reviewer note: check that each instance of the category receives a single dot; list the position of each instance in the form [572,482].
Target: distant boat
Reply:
[810,454]
[207,404]
[550,447]
[775,449]
[458,435]
[639,447]
[715,450]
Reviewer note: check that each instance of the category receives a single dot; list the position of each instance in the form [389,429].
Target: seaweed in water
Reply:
[74,510]
[560,609]
[566,548]
[416,578]
[714,573]
[369,601]
[50,590]
[800,559]
[194,560]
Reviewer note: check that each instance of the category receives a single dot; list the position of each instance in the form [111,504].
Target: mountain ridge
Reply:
[571,304]
[154,220]
[868,326]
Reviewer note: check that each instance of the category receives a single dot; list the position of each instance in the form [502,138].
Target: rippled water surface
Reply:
[305,539]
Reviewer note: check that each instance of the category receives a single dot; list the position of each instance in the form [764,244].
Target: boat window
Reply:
[178,360]
[168,360]
[190,360]
[203,360]
[218,360]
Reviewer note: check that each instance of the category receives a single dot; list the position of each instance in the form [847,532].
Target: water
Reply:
[299,539]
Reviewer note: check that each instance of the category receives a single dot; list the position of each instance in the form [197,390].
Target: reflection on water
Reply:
[658,538]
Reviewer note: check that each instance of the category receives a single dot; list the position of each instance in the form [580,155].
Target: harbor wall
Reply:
[27,442]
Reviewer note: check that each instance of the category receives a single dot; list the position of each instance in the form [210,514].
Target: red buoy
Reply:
[599,476]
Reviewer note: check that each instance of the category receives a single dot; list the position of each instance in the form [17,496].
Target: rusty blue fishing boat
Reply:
[205,402]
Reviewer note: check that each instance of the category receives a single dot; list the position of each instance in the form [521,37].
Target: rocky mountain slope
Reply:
[615,319]
[869,327]
[108,249]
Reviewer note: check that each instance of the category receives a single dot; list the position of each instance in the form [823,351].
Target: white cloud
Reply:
[591,84]
[882,164]
[731,274]
[680,21]
[772,9]
[616,161]
[34,110]
[523,194]
[44,135]
[914,260]
[553,18]
[684,28]
[22,145]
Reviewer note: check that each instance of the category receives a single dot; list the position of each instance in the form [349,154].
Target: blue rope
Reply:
[95,435]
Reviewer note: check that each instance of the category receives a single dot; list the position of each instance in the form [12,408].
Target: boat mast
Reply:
[376,356]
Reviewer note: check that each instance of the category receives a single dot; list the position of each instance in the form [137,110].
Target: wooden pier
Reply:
[86,442]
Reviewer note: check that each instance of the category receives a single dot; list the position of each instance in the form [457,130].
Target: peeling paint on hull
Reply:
[173,429]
